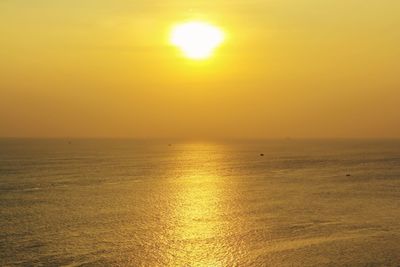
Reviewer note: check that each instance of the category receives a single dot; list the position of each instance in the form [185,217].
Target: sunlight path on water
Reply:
[197,224]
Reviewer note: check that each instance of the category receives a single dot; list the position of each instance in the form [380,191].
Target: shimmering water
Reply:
[142,203]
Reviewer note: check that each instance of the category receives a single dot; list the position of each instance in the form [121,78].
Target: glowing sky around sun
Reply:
[289,68]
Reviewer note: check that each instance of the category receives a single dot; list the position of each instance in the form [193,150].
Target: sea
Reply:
[126,202]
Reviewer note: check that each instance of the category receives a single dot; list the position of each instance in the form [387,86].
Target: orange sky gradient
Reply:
[289,68]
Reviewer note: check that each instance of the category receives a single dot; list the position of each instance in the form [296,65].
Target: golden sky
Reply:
[288,68]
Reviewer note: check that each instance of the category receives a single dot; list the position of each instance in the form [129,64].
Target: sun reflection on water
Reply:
[197,226]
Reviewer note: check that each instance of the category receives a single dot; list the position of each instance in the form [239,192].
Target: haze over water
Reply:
[145,203]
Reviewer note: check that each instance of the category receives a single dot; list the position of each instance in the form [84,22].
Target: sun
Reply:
[197,39]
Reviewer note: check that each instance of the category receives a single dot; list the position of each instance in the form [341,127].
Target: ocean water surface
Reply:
[88,202]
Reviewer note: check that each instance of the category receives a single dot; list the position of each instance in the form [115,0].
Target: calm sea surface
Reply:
[145,203]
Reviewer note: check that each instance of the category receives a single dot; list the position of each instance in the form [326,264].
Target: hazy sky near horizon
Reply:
[289,68]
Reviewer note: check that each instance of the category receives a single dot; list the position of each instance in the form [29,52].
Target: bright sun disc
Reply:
[197,40]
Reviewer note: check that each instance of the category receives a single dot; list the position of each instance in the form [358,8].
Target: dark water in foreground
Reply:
[135,203]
